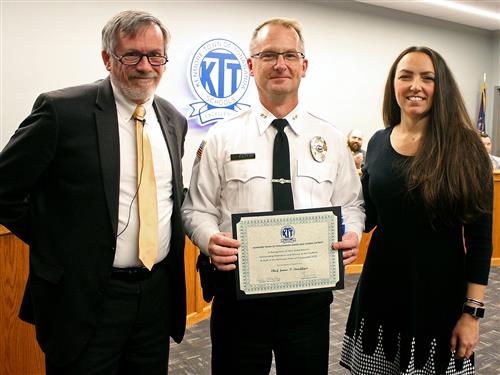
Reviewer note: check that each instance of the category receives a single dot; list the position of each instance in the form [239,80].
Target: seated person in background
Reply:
[495,160]
[354,142]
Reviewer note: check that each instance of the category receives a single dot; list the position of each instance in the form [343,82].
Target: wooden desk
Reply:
[19,352]
[357,266]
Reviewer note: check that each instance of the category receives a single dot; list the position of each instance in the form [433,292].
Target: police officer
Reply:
[233,174]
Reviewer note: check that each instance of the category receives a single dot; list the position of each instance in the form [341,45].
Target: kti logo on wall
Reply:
[219,77]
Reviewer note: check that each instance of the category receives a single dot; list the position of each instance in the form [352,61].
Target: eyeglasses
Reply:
[271,56]
[131,59]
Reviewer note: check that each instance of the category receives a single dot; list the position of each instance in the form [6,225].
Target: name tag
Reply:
[242,156]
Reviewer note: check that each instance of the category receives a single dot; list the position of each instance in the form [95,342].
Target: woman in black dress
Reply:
[428,189]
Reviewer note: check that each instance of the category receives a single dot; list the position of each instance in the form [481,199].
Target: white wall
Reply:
[495,50]
[350,46]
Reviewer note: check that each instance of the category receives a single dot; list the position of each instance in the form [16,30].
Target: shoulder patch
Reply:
[199,152]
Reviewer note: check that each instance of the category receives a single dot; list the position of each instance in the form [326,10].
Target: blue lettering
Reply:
[221,58]
[234,68]
[206,81]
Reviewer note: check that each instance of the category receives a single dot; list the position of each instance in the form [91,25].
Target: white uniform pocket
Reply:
[314,183]
[248,186]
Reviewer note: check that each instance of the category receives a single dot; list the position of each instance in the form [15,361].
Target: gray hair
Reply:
[129,22]
[285,22]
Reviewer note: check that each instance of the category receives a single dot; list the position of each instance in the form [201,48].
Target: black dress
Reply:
[410,293]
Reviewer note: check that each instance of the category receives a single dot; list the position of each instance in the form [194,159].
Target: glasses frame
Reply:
[258,55]
[120,59]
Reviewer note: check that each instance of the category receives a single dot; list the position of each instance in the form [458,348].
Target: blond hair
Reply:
[285,22]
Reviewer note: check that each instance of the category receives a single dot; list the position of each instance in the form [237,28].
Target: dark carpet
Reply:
[192,356]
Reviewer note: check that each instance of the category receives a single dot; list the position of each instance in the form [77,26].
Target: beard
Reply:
[354,146]
[135,92]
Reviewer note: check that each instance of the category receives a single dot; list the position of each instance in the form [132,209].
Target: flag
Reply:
[481,126]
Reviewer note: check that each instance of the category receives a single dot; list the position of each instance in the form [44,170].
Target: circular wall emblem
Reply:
[219,77]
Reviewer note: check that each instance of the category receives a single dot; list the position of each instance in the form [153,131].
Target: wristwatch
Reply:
[476,312]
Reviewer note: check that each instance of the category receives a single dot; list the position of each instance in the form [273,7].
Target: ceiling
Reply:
[435,9]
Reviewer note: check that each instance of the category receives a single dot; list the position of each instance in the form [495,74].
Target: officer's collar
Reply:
[265,118]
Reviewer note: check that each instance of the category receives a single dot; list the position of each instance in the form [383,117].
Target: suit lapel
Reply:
[170,134]
[170,137]
[109,148]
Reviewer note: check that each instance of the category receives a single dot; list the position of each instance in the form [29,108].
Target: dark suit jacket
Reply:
[59,188]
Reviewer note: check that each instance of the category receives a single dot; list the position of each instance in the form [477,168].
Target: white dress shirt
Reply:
[128,219]
[221,186]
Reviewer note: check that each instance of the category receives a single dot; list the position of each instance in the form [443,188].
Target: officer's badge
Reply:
[318,149]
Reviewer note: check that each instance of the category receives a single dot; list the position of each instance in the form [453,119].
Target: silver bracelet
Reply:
[474,301]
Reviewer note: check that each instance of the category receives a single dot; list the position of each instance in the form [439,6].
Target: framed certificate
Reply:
[288,252]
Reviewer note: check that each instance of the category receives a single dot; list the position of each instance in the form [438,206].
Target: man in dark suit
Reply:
[69,188]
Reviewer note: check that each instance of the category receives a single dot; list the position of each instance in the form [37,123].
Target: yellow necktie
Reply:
[146,193]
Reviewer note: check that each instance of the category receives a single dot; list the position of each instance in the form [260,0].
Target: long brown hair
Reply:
[451,169]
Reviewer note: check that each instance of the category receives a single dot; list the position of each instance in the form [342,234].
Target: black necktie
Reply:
[282,184]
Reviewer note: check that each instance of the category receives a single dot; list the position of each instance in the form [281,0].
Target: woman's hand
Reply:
[465,336]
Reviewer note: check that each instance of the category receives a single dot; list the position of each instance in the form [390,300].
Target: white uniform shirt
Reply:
[126,254]
[221,186]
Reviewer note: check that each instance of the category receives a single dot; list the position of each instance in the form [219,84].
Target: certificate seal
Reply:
[287,234]
[319,149]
